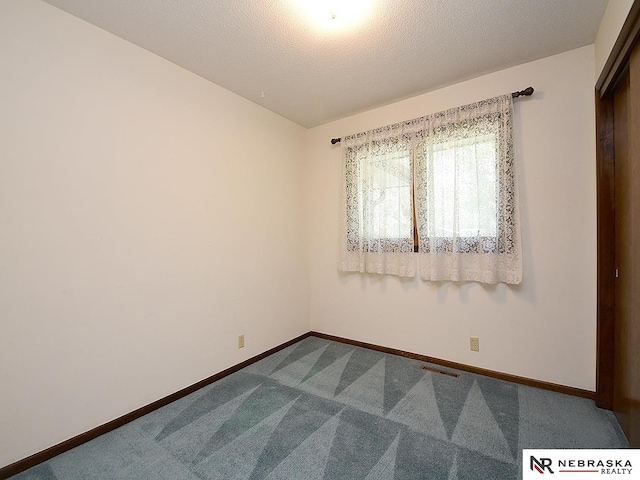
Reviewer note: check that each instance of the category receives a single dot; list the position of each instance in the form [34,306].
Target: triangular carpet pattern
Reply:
[294,373]
[398,380]
[321,410]
[386,466]
[185,444]
[502,400]
[267,365]
[366,393]
[310,457]
[308,416]
[238,458]
[419,411]
[264,401]
[361,440]
[360,362]
[330,355]
[300,350]
[325,382]
[453,473]
[227,389]
[451,395]
[478,430]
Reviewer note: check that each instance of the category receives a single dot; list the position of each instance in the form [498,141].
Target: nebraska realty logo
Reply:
[579,464]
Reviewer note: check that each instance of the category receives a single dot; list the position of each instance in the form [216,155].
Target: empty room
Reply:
[304,239]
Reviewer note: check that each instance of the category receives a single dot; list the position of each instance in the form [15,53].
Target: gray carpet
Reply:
[325,410]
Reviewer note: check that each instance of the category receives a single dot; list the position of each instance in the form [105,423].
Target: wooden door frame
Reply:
[614,69]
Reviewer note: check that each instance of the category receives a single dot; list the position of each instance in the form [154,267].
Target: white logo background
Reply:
[580,464]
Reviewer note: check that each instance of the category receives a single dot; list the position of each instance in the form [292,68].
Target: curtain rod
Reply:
[527,92]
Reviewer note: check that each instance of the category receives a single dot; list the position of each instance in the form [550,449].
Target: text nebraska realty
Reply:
[605,467]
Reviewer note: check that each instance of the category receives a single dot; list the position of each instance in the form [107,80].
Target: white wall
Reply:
[543,329]
[147,217]
[610,26]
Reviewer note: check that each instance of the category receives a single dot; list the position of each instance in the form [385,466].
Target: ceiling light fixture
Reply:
[336,14]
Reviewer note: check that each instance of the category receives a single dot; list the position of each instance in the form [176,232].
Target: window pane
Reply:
[388,203]
[464,188]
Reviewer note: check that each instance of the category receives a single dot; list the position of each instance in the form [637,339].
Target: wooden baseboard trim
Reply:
[465,368]
[43,456]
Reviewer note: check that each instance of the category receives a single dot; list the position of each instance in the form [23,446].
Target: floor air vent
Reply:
[443,372]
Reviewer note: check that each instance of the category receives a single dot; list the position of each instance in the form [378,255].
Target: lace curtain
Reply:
[377,209]
[445,182]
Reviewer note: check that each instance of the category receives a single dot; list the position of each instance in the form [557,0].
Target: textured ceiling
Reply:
[312,76]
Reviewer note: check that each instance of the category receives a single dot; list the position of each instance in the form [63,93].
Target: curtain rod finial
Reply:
[335,140]
[523,93]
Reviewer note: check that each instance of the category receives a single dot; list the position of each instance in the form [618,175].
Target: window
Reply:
[443,185]
[381,216]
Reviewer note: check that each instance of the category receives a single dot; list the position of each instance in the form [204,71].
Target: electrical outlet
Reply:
[474,344]
[241,341]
